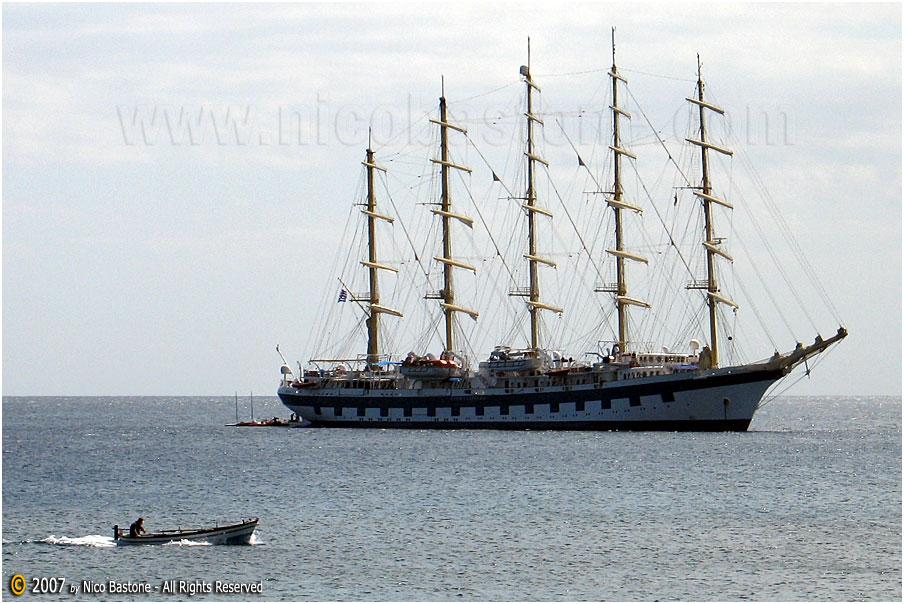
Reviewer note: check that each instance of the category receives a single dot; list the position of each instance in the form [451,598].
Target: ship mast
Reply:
[622,301]
[711,243]
[447,294]
[530,198]
[373,299]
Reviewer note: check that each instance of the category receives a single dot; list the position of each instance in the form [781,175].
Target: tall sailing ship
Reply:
[626,385]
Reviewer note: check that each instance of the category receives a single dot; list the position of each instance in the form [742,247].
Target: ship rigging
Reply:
[620,383]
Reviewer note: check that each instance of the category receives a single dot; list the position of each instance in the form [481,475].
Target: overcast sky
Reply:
[146,254]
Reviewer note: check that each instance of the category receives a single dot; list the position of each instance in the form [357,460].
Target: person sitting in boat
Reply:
[136,528]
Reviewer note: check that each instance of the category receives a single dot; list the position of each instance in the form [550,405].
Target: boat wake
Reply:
[254,541]
[86,541]
[186,542]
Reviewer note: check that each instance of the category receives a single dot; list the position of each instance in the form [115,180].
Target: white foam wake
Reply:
[87,541]
[186,542]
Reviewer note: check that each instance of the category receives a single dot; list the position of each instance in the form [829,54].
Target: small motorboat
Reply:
[275,422]
[233,534]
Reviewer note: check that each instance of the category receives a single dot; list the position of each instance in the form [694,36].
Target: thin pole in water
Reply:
[252,406]
[236,406]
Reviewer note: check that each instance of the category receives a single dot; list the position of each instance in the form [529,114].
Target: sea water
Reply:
[806,505]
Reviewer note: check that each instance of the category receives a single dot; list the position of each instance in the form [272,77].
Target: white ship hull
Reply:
[724,399]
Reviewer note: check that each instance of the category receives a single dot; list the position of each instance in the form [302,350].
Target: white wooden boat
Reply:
[233,534]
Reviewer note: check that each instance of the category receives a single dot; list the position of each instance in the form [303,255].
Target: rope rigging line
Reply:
[785,230]
[756,311]
[319,332]
[672,241]
[480,214]
[656,75]
[766,288]
[565,208]
[515,325]
[770,396]
[687,181]
[784,274]
[647,193]
[482,94]
[429,307]
[395,209]
[756,225]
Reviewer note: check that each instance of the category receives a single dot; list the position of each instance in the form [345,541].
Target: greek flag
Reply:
[343,296]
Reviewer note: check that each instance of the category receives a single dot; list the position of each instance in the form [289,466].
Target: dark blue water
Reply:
[806,505]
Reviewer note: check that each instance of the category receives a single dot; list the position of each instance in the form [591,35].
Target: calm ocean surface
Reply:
[806,505]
